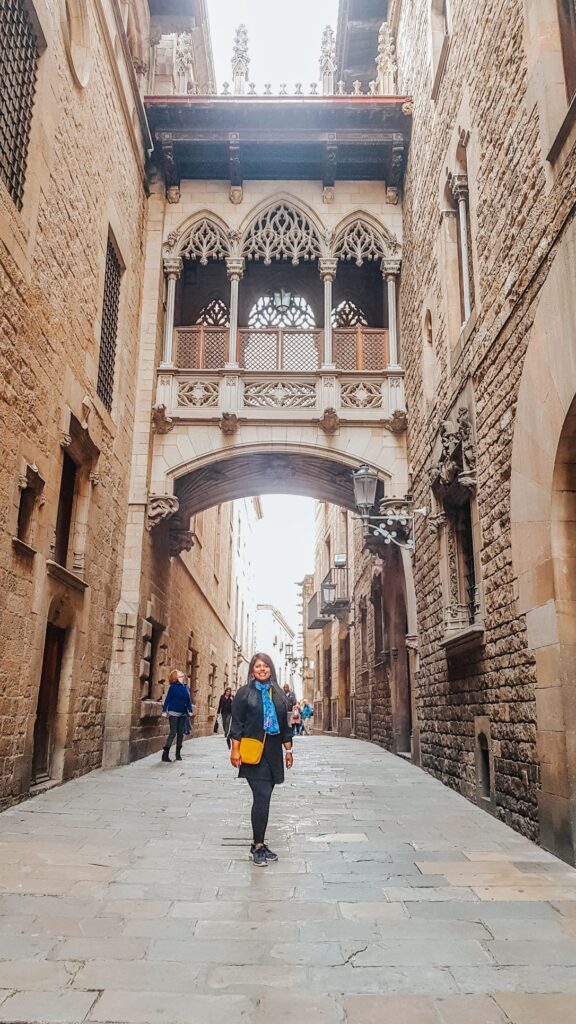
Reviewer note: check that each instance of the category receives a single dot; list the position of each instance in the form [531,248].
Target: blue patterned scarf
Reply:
[271,726]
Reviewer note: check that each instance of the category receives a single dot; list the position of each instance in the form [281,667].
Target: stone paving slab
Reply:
[127,897]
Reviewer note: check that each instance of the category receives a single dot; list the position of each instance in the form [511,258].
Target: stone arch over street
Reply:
[543,542]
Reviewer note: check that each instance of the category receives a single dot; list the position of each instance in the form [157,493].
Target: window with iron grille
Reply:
[105,386]
[18,74]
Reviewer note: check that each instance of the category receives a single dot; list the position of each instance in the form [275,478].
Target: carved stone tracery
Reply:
[282,232]
[361,241]
[205,241]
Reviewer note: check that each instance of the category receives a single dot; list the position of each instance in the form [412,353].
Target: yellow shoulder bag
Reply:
[251,750]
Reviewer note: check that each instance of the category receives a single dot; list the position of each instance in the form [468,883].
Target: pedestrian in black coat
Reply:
[259,712]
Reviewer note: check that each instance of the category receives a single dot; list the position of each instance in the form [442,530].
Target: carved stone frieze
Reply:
[161,422]
[361,395]
[160,507]
[280,395]
[282,232]
[198,394]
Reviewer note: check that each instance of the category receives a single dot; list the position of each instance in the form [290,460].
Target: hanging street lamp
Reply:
[395,522]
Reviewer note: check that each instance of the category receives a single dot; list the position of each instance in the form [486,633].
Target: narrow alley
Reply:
[128,897]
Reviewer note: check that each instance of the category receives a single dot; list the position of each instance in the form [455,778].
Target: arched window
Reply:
[282,309]
[214,314]
[348,314]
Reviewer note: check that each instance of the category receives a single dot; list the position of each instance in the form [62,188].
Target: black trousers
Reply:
[176,732]
[261,796]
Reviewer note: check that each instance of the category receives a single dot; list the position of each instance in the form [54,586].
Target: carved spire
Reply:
[328,61]
[386,63]
[240,61]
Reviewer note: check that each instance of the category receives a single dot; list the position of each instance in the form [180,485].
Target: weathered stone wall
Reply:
[519,207]
[84,174]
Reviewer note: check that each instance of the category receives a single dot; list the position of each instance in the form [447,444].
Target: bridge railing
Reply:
[282,349]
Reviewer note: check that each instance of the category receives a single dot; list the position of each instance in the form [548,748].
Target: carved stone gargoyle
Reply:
[397,423]
[228,423]
[160,507]
[161,422]
[180,540]
[330,421]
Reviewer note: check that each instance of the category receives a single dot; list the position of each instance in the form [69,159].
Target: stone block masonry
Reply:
[518,215]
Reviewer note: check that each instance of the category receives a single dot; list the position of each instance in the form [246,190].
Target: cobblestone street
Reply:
[128,896]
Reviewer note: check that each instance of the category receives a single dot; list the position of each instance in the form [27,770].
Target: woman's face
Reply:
[227,692]
[261,671]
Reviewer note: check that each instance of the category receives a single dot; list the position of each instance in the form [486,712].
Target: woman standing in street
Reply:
[259,713]
[225,709]
[178,707]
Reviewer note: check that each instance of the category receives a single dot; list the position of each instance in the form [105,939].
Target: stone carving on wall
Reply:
[453,477]
[330,421]
[184,53]
[198,394]
[386,66]
[180,540]
[282,232]
[228,423]
[397,423]
[362,395]
[161,422]
[361,241]
[205,241]
[280,395]
[160,507]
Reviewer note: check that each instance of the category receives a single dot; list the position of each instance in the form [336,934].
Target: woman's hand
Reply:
[235,759]
[289,759]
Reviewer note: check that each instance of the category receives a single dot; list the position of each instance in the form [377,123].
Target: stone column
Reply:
[172,270]
[328,268]
[390,272]
[235,267]
[460,193]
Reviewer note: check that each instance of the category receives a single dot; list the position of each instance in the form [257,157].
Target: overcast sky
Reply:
[283,552]
[284,38]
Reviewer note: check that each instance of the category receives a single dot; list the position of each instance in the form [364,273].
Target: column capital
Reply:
[172,266]
[235,266]
[328,267]
[390,267]
[458,184]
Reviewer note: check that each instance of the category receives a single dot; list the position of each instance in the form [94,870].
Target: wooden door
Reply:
[47,703]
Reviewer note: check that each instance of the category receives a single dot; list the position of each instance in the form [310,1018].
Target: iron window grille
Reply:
[18,75]
[110,304]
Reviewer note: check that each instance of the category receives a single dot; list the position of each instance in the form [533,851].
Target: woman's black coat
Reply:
[248,718]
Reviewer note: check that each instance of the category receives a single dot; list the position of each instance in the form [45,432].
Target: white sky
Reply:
[284,38]
[283,552]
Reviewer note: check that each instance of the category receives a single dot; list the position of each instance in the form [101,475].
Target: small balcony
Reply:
[334,596]
[281,349]
[315,619]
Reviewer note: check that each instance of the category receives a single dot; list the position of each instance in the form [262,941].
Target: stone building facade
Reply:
[487,340]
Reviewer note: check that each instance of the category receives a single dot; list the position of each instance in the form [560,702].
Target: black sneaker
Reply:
[259,857]
[270,855]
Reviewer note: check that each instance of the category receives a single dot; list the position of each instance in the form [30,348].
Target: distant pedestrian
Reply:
[259,729]
[225,709]
[178,706]
[307,718]
[296,719]
[289,696]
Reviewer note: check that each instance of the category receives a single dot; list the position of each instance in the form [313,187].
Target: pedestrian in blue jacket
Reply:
[178,706]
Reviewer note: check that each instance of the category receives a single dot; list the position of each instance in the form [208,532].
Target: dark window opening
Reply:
[108,334]
[363,633]
[469,571]
[18,74]
[65,509]
[567,22]
[485,778]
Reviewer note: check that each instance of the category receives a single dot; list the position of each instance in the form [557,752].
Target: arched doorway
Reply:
[47,706]
[544,543]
